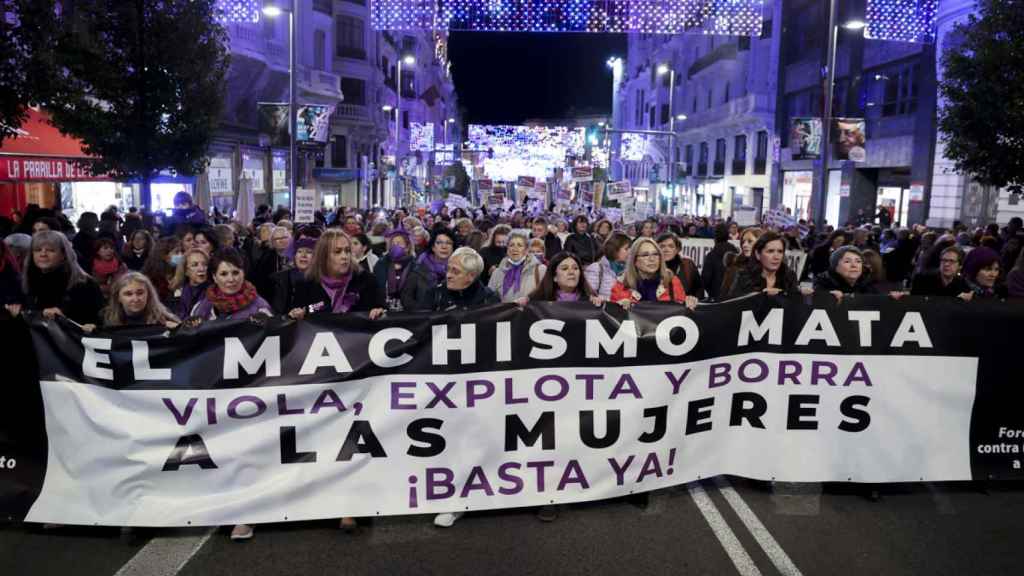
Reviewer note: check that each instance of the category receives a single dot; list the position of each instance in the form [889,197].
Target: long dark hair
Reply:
[754,266]
[547,291]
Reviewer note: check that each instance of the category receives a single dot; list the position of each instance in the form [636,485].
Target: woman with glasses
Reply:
[946,281]
[431,267]
[647,279]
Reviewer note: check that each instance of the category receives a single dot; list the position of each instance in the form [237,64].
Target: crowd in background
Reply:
[137,268]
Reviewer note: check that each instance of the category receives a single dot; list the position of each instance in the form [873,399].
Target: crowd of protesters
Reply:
[138,268]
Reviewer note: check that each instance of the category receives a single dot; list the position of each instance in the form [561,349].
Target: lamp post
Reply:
[446,123]
[826,124]
[410,60]
[616,65]
[273,11]
[670,167]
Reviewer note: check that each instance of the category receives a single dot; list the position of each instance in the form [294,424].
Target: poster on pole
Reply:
[599,188]
[805,138]
[524,186]
[849,138]
[312,123]
[219,175]
[620,190]
[585,193]
[305,205]
[485,185]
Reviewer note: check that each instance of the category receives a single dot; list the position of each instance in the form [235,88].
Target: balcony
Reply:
[724,52]
[324,6]
[719,168]
[350,113]
[350,52]
[320,82]
[739,167]
[733,109]
[702,169]
[760,166]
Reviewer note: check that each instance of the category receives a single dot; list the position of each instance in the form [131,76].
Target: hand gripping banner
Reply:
[247,422]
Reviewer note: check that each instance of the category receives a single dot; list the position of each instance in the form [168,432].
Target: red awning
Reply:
[41,152]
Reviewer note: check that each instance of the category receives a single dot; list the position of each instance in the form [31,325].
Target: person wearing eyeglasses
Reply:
[946,281]
[431,267]
[647,279]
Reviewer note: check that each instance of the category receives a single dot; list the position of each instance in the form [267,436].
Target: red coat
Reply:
[676,294]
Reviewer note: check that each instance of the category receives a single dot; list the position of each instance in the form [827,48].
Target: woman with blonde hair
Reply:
[134,302]
[55,284]
[334,282]
[190,280]
[647,279]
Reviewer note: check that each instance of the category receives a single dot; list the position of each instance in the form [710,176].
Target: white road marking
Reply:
[166,556]
[741,560]
[764,538]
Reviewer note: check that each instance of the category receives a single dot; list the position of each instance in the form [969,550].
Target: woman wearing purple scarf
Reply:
[564,282]
[517,275]
[334,283]
[431,267]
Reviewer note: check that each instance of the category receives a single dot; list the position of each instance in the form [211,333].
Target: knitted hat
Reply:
[302,242]
[833,260]
[978,259]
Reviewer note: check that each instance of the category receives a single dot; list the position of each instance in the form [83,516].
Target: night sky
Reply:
[506,78]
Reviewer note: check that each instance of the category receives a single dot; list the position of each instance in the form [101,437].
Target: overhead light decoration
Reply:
[239,11]
[513,151]
[724,17]
[901,20]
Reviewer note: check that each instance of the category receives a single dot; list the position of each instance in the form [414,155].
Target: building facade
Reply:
[343,63]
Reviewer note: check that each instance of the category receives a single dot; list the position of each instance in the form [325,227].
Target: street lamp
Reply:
[826,124]
[273,11]
[681,117]
[447,121]
[662,70]
[410,60]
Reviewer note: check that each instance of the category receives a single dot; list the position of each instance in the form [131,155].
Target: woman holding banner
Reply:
[231,296]
[430,267]
[55,284]
[335,283]
[766,271]
[134,302]
[684,268]
[563,282]
[647,279]
[846,274]
[982,271]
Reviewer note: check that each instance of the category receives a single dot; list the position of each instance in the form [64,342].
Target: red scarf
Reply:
[103,269]
[231,303]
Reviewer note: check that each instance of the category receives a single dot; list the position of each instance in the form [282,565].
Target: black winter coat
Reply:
[440,298]
[283,293]
[419,284]
[749,280]
[313,298]
[829,281]
[585,246]
[380,274]
[714,269]
[930,284]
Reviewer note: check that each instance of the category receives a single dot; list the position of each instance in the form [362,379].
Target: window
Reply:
[359,2]
[710,103]
[350,37]
[739,155]
[901,90]
[651,117]
[664,114]
[339,152]
[408,83]
[702,166]
[719,157]
[319,48]
[766,29]
[725,97]
[639,114]
[405,119]
[324,6]
[761,158]
[666,79]
[354,91]
[694,105]
[689,159]
[408,45]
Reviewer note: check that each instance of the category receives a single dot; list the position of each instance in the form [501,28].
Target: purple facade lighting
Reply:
[724,17]
[901,20]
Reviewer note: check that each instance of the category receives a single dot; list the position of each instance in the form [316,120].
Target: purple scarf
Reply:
[396,279]
[649,289]
[438,268]
[336,289]
[568,296]
[513,276]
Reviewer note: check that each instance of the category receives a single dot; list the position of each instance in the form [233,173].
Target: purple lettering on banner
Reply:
[563,388]
[327,398]
[510,394]
[719,375]
[477,481]
[677,383]
[445,481]
[753,362]
[441,395]
[573,474]
[397,395]
[858,374]
[823,370]
[179,417]
[620,471]
[211,411]
[540,466]
[282,406]
[261,407]
[504,476]
[471,394]
[789,370]
[588,380]
[625,385]
[651,466]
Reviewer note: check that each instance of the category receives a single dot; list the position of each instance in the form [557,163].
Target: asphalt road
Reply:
[721,526]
